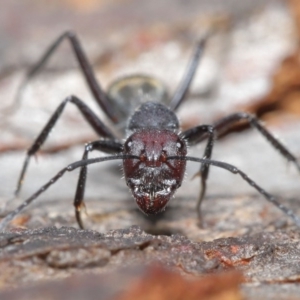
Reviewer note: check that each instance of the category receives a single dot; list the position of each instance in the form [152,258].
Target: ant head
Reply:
[153,179]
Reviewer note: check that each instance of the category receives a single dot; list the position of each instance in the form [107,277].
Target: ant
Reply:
[154,153]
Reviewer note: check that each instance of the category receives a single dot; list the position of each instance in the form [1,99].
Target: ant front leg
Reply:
[98,93]
[87,113]
[222,125]
[193,136]
[198,134]
[107,146]
[71,167]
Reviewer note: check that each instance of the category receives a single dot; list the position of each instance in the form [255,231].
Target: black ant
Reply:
[155,151]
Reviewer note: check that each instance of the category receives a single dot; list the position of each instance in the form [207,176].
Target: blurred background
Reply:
[251,64]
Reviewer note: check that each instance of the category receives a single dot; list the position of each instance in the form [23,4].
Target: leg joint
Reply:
[69,34]
[246,116]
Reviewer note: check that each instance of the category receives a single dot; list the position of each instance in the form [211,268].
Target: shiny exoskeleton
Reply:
[153,178]
[155,151]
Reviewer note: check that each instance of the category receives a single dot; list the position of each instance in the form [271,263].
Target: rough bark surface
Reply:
[247,249]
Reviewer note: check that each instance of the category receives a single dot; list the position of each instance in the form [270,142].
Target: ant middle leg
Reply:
[194,136]
[107,146]
[87,113]
[224,124]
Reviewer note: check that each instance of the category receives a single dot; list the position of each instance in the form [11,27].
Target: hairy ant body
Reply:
[155,152]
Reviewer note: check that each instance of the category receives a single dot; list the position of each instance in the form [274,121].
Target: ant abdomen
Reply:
[129,92]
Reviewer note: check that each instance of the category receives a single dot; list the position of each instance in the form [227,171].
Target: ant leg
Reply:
[4,222]
[182,90]
[235,170]
[222,125]
[88,114]
[192,137]
[107,146]
[85,67]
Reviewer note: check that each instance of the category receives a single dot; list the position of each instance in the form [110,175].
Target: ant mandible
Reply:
[155,152]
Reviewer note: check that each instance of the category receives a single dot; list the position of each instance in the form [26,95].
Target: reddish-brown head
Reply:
[153,179]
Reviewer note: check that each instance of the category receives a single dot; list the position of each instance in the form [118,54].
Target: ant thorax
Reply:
[152,115]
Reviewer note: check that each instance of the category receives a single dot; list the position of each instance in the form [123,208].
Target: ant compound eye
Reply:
[128,145]
[179,144]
